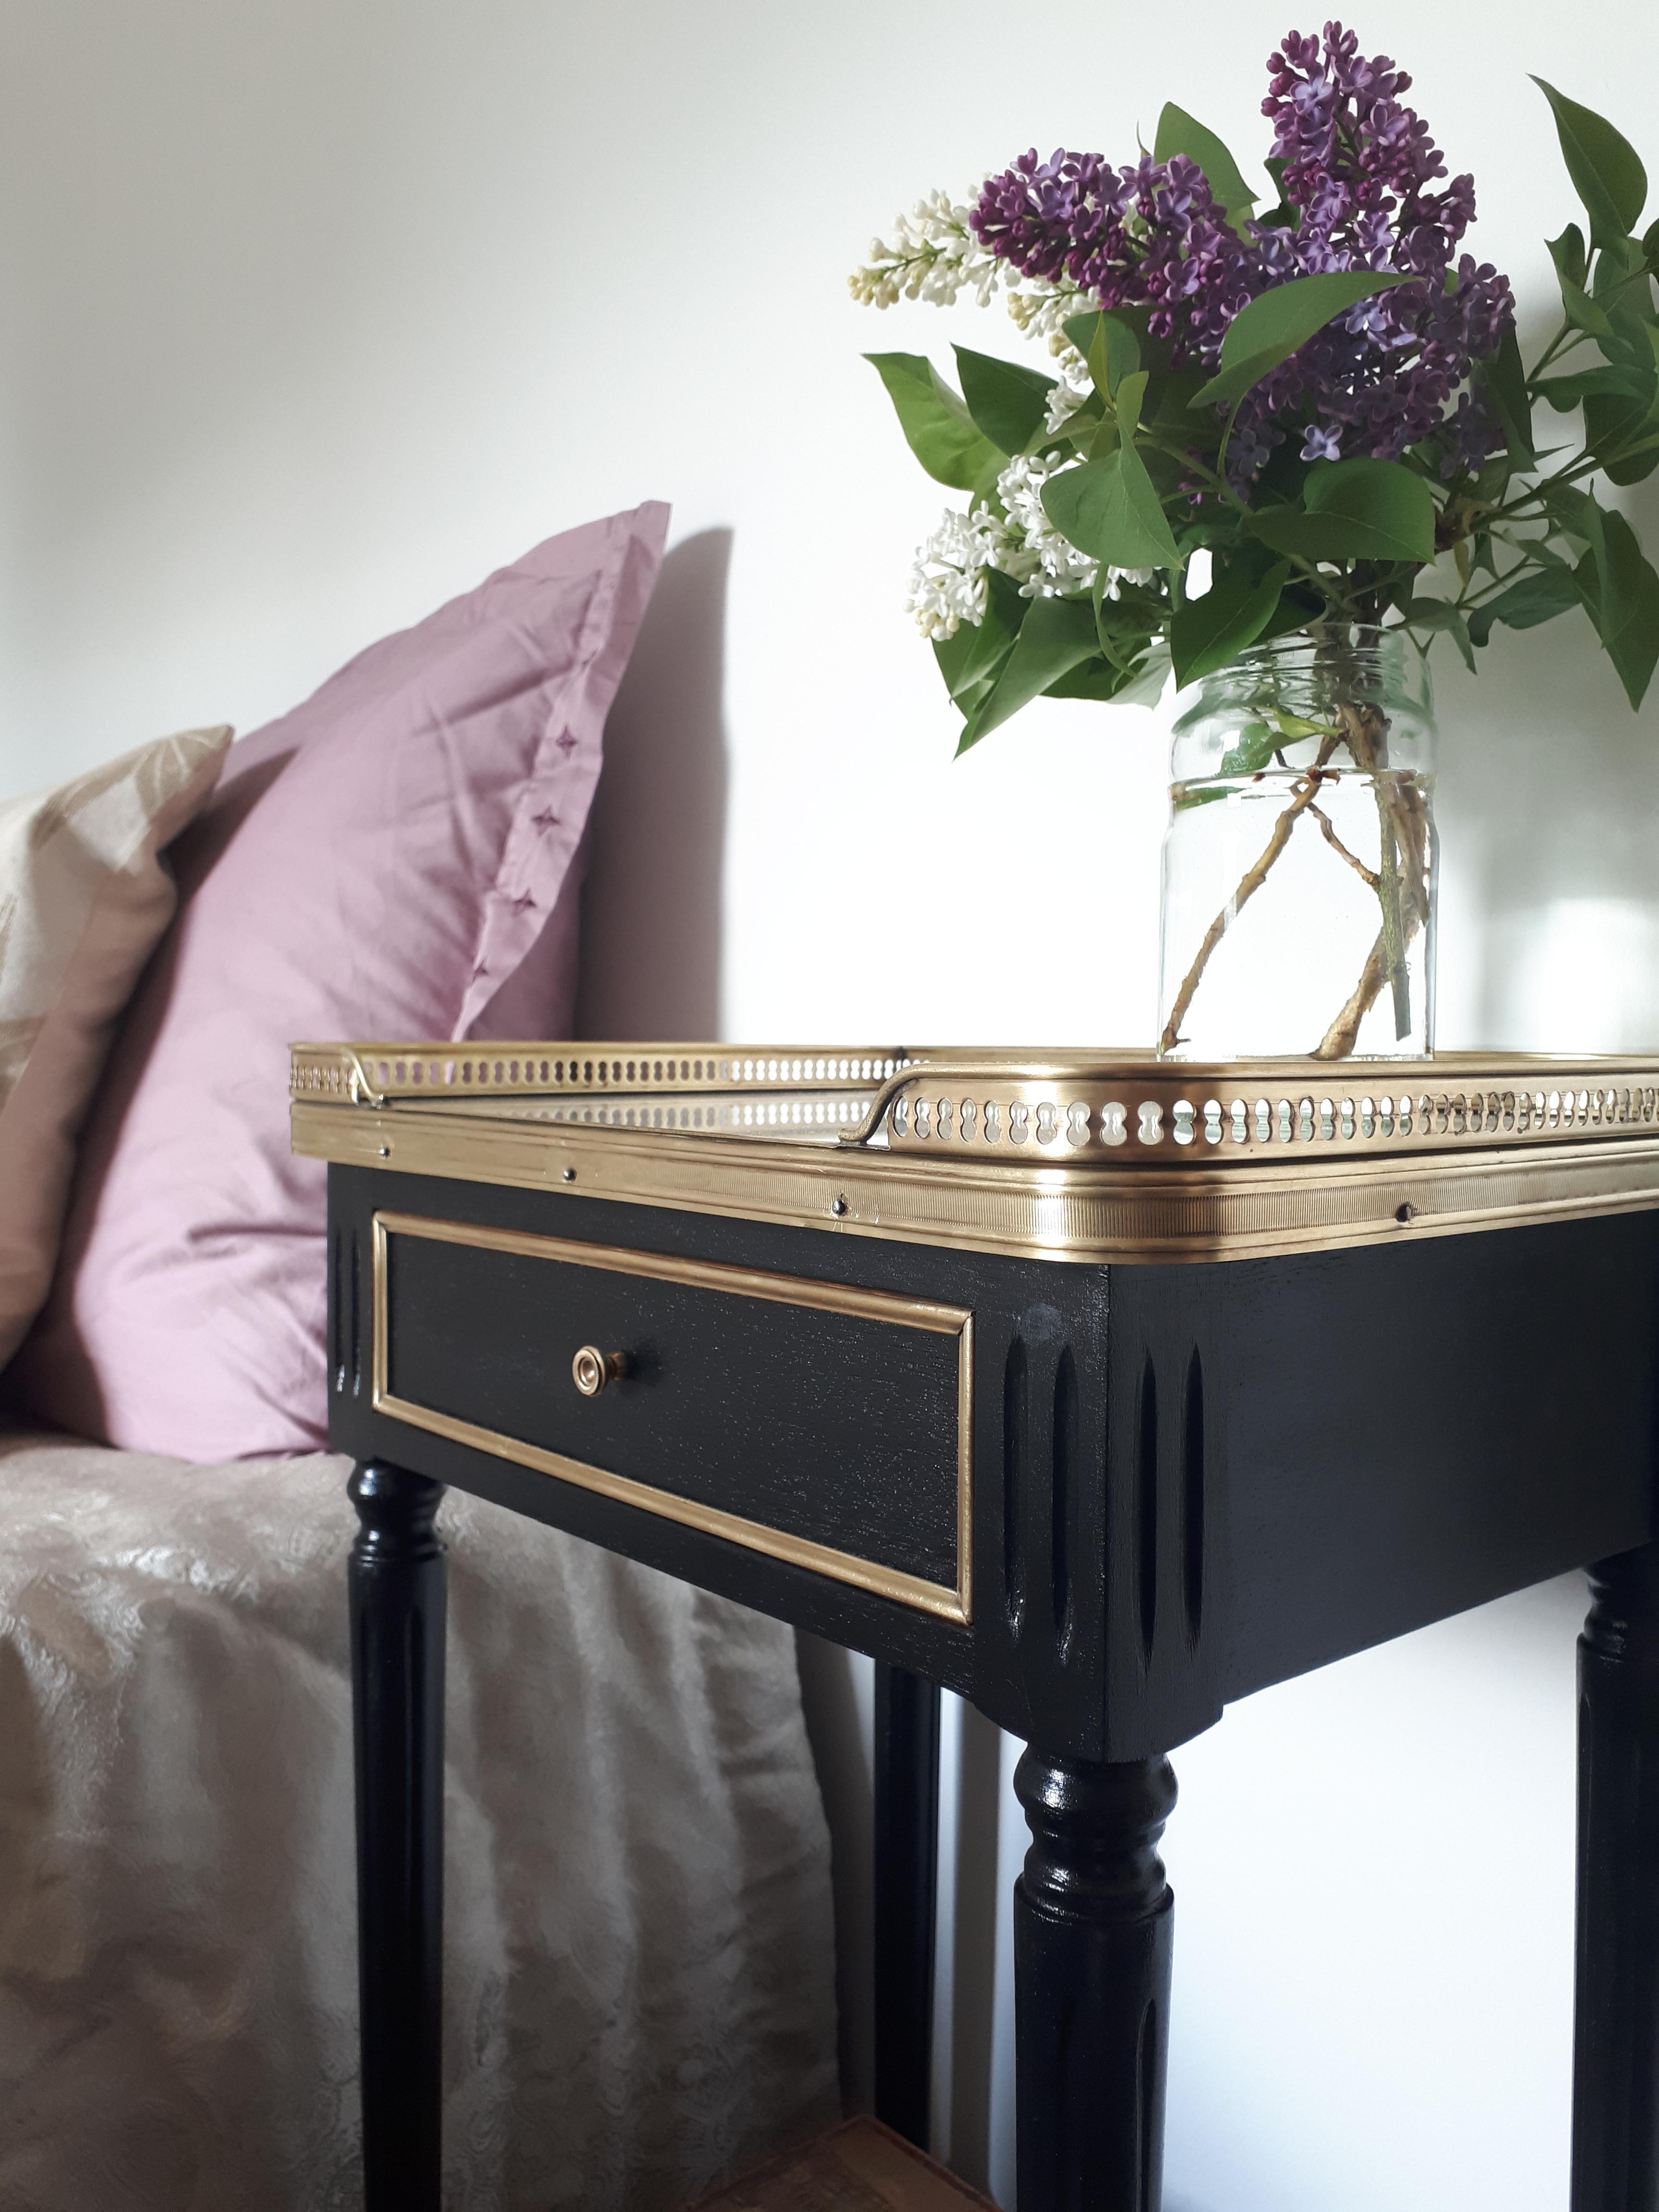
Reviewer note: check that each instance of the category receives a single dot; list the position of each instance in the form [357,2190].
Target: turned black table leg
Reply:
[1093,1925]
[397,1584]
[1615,2095]
[906,1881]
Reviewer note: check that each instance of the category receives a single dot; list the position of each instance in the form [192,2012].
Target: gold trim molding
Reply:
[369,1074]
[954,1605]
[1110,1112]
[1193,1213]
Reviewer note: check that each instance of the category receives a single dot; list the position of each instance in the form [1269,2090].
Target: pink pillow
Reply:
[394,858]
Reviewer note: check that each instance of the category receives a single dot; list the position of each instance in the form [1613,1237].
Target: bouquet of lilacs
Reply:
[1323,402]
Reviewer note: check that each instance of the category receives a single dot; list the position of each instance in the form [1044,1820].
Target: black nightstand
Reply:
[1101,1390]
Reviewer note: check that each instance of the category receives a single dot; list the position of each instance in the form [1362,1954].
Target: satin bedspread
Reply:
[639,1948]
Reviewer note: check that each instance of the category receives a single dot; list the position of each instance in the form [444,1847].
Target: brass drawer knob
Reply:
[592,1369]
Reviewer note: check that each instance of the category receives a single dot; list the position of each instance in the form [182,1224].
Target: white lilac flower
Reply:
[1072,388]
[947,582]
[1042,308]
[1045,563]
[933,256]
[1116,577]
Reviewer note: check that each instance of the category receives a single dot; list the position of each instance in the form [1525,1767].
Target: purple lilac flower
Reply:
[1151,235]
[1359,168]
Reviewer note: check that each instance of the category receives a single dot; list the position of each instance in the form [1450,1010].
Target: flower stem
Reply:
[1249,884]
[1366,730]
[1367,876]
[1563,337]
[1402,892]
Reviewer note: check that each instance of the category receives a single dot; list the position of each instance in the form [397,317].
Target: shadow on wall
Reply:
[651,905]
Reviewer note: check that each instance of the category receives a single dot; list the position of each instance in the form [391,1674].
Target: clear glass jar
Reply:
[1300,863]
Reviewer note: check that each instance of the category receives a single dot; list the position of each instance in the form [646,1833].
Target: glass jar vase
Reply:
[1300,862]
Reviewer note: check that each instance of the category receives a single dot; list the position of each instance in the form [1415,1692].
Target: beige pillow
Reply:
[84,897]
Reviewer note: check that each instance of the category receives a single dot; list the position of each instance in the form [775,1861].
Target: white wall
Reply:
[312,310]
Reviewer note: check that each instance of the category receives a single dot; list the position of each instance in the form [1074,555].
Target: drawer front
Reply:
[825,1425]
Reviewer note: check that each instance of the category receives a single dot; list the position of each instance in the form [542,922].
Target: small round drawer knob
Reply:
[592,1369]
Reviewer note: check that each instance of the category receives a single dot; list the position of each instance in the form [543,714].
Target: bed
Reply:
[639,1956]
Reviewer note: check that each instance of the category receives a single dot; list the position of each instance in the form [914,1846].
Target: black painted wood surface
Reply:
[906,1747]
[1425,1427]
[1188,1481]
[732,1400]
[1093,1924]
[397,1610]
[1615,2100]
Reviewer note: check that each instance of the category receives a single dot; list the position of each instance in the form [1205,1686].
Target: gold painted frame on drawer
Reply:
[953,1605]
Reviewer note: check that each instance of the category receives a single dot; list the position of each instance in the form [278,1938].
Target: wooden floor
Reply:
[859,2166]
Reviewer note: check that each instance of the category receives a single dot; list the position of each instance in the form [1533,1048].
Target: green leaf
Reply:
[1274,324]
[1297,608]
[1359,510]
[1621,268]
[1101,678]
[1092,333]
[1620,593]
[1612,429]
[1568,508]
[953,654]
[1255,747]
[1505,382]
[1131,393]
[1651,246]
[1110,510]
[1440,615]
[1121,642]
[1006,400]
[1606,174]
[1638,451]
[1385,494]
[1582,311]
[1570,255]
[1137,683]
[1172,411]
[1206,633]
[1104,441]
[1056,636]
[938,427]
[1128,620]
[1566,392]
[1624,291]
[1621,400]
[1531,600]
[1091,679]
[972,660]
[1143,685]
[1181,133]
[1101,376]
